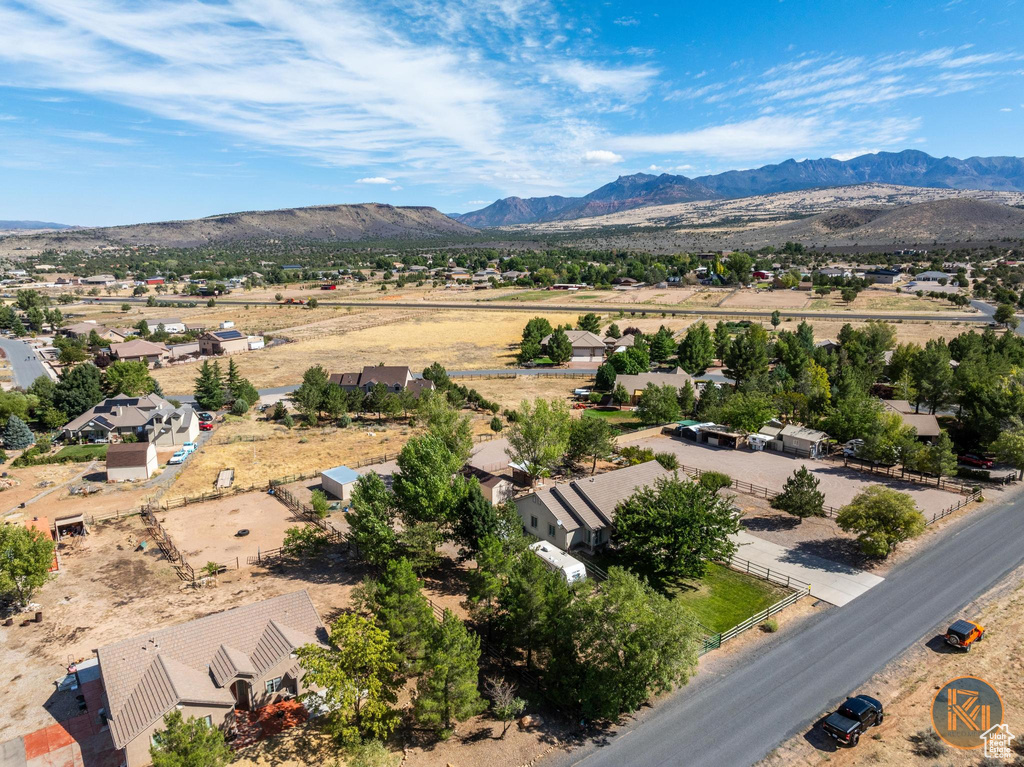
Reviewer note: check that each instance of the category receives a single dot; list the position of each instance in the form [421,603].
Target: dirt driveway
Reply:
[770,469]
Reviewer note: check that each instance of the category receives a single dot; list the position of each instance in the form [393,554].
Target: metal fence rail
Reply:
[764,573]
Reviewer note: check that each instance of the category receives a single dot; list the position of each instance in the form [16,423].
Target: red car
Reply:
[976,460]
[206,426]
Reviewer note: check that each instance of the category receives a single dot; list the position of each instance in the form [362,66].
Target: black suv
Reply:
[854,717]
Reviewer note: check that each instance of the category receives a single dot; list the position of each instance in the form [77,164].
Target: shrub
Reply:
[981,474]
[770,626]
[668,461]
[288,421]
[496,424]
[634,455]
[280,411]
[239,407]
[345,421]
[130,438]
[928,744]
[3,457]
[715,480]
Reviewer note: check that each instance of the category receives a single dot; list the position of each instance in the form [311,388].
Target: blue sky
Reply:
[118,111]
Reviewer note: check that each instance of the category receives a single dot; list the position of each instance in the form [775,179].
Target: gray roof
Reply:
[638,382]
[148,675]
[120,412]
[802,432]
[137,348]
[591,502]
[583,339]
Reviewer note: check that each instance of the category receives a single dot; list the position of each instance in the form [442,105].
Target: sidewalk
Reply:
[830,581]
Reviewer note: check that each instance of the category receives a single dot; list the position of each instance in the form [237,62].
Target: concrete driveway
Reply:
[831,581]
[25,365]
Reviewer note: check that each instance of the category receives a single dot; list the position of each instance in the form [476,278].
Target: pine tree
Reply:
[234,380]
[559,347]
[697,349]
[448,691]
[403,611]
[209,393]
[800,495]
[188,742]
[17,436]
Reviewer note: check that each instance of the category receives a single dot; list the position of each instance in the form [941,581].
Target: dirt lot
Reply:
[908,685]
[205,532]
[509,392]
[770,469]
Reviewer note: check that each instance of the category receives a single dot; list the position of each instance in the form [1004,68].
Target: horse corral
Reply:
[208,531]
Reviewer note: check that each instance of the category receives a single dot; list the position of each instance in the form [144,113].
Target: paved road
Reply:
[24,362]
[543,307]
[989,311]
[738,718]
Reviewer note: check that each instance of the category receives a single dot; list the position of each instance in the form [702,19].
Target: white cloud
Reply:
[374,180]
[849,154]
[601,157]
[396,188]
[479,202]
[1006,109]
[626,21]
[588,78]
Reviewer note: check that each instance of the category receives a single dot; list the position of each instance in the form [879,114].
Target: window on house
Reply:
[208,721]
[273,685]
[598,536]
[551,530]
[533,521]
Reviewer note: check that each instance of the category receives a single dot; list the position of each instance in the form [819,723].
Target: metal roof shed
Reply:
[338,482]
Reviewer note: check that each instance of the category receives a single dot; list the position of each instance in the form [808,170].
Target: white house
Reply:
[338,482]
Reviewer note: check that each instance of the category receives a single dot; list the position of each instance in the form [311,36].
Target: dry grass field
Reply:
[509,392]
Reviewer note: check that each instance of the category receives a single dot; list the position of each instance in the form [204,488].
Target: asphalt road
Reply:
[25,365]
[737,719]
[653,311]
[989,311]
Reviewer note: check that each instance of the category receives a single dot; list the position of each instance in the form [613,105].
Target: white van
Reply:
[571,568]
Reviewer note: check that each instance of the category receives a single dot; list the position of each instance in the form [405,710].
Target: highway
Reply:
[738,718]
[25,365]
[544,307]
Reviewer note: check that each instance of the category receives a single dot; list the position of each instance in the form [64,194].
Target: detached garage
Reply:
[131,461]
[338,482]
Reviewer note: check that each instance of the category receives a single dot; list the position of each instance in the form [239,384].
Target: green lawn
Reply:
[83,452]
[724,597]
[619,419]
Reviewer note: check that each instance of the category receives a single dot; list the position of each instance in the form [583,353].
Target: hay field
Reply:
[459,340]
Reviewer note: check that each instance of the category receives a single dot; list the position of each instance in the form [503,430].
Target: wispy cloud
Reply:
[591,78]
[601,157]
[374,180]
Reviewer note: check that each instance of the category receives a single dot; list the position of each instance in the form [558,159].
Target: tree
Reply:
[614,332]
[848,294]
[358,679]
[620,396]
[445,422]
[312,392]
[747,411]
[1009,445]
[312,303]
[488,578]
[504,704]
[524,601]
[78,390]
[590,322]
[776,319]
[419,541]
[496,424]
[662,345]
[605,380]
[209,391]
[673,528]
[933,375]
[126,307]
[320,504]
[17,435]
[559,347]
[813,383]
[626,643]
[239,407]
[697,349]
[403,611]
[938,458]
[853,418]
[424,485]
[636,359]
[188,743]
[448,689]
[129,378]
[1006,315]
[883,518]
[687,399]
[475,518]
[536,329]
[658,404]
[800,496]
[435,372]
[25,559]
[371,519]
[590,438]
[303,541]
[382,401]
[747,356]
[738,265]
[539,435]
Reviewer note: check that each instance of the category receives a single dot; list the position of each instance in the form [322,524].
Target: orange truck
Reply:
[963,634]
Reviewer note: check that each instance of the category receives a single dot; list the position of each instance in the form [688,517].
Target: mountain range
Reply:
[10,225]
[908,168]
[324,223]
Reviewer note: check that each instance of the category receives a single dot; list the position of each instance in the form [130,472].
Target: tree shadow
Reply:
[768,523]
[447,578]
[841,551]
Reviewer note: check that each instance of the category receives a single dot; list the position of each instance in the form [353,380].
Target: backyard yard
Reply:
[724,598]
[620,420]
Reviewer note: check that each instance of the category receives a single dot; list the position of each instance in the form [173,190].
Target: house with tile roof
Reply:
[580,514]
[243,658]
[150,418]
[586,347]
[395,377]
[138,350]
[635,384]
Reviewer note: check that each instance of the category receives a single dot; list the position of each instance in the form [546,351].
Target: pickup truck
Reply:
[853,718]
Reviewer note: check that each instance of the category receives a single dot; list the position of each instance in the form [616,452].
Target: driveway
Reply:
[25,365]
[770,469]
[835,583]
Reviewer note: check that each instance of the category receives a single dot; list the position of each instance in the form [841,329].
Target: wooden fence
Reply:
[749,489]
[766,574]
[893,472]
[955,507]
[760,618]
[163,540]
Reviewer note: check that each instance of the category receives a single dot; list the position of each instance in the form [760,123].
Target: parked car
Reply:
[206,426]
[178,457]
[853,718]
[205,417]
[971,459]
[853,447]
[189,447]
[963,634]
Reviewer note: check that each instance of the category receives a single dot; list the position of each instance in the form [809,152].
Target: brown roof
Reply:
[148,675]
[926,424]
[639,382]
[485,478]
[389,375]
[125,455]
[137,348]
[592,501]
[580,339]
